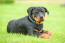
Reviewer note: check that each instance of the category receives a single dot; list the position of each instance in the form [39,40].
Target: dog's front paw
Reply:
[46,34]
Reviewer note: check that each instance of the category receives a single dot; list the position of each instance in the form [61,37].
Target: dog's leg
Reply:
[30,31]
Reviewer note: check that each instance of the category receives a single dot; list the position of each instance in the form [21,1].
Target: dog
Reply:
[31,24]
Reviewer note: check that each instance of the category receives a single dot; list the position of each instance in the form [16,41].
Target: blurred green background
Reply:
[15,9]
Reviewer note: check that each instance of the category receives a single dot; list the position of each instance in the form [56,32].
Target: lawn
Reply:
[55,22]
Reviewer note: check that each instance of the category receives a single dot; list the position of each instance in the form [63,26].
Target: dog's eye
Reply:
[42,11]
[36,12]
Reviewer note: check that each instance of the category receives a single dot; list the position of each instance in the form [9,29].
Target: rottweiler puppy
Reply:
[31,24]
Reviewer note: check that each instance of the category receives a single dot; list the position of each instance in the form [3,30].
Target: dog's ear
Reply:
[45,10]
[29,10]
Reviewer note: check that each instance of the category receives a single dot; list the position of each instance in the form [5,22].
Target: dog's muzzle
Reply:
[41,18]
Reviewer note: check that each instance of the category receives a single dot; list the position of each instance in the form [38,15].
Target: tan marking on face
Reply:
[42,10]
[38,20]
[43,18]
[36,11]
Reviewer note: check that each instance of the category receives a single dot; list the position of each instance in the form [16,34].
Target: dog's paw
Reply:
[46,34]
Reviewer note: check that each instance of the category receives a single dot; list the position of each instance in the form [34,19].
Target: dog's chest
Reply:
[38,27]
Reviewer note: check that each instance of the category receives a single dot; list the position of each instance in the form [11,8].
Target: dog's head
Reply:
[37,13]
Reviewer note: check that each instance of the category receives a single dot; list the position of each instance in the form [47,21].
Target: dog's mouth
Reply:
[39,20]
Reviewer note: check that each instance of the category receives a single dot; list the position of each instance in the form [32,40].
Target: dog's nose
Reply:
[41,17]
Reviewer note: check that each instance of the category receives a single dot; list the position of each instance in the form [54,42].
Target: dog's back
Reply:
[19,25]
[11,26]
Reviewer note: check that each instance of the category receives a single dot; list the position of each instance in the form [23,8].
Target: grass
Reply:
[53,22]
